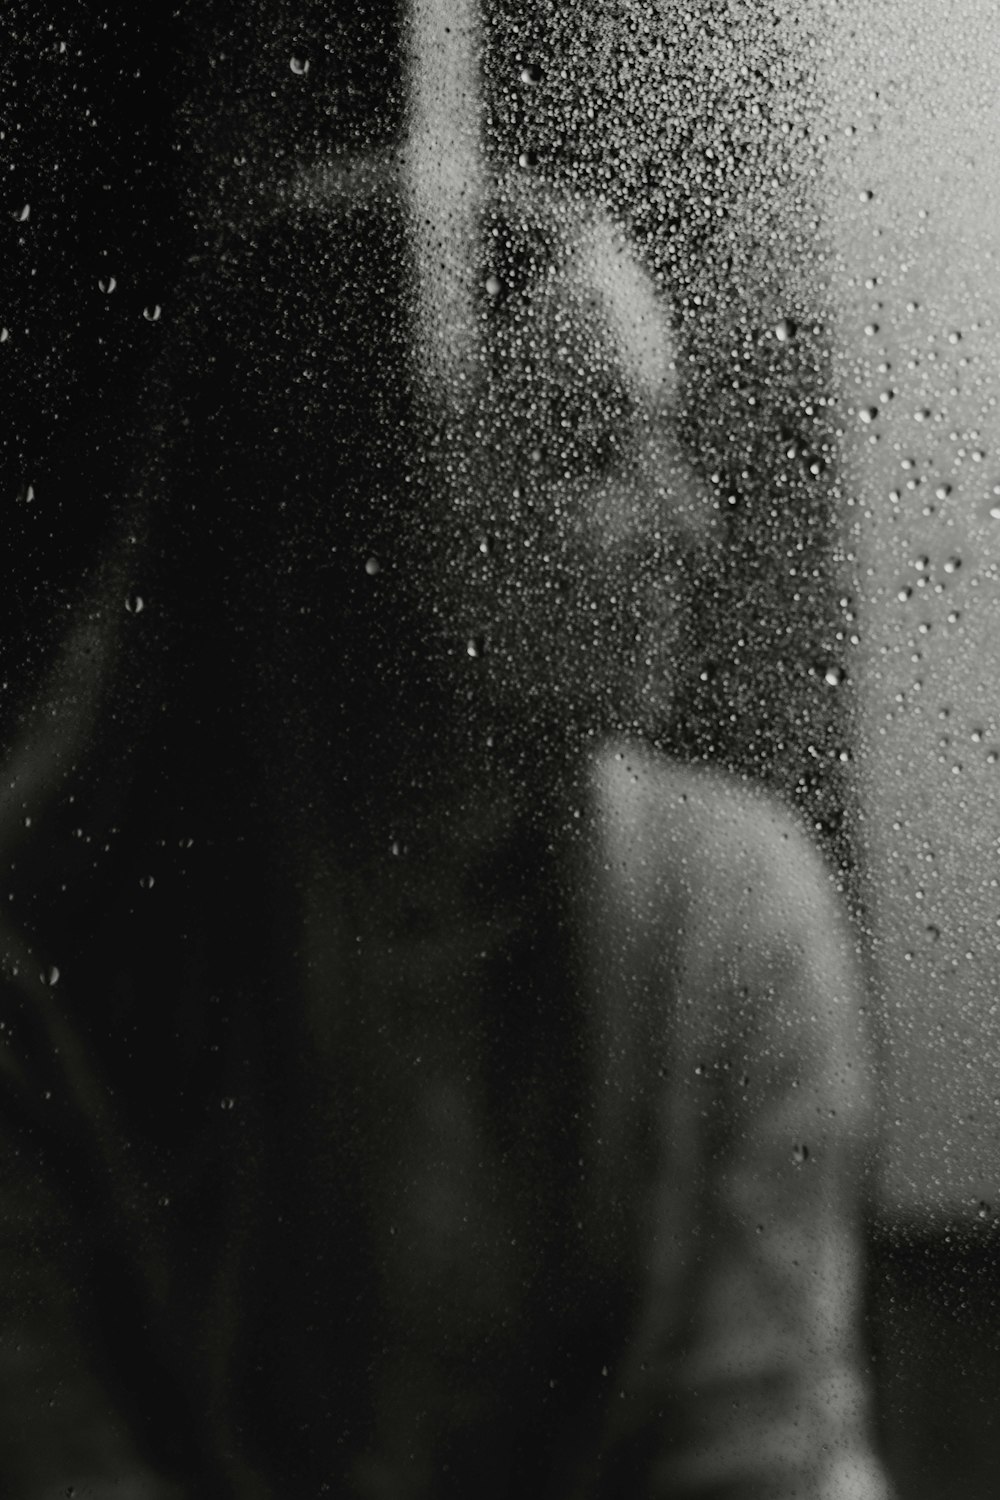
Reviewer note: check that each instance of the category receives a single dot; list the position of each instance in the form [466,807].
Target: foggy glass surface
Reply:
[484,248]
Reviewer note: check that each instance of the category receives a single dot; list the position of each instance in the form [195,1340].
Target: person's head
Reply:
[522,554]
[592,513]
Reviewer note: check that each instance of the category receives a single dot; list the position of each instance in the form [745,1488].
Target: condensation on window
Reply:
[621,375]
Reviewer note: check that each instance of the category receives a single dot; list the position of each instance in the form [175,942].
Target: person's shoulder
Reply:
[655,802]
[694,833]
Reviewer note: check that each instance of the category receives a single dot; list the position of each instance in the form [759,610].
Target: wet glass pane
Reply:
[496,826]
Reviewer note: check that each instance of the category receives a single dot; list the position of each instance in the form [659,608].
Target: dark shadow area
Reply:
[934,1328]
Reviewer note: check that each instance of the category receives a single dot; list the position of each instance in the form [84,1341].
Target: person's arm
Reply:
[750,1377]
[63,1428]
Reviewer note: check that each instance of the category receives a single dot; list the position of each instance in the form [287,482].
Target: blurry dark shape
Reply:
[935,1334]
[425,1171]
[439,1092]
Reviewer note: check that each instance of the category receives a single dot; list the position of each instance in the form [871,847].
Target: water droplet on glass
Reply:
[372,566]
[866,195]
[867,414]
[147,882]
[25,213]
[51,975]
[531,73]
[135,604]
[107,283]
[834,676]
[871,329]
[800,1154]
[228,1102]
[784,330]
[494,286]
[475,646]
[152,312]
[4,335]
[953,564]
[528,159]
[299,66]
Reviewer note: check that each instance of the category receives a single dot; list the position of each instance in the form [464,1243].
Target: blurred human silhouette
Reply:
[413,1084]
